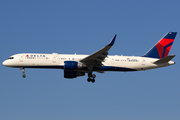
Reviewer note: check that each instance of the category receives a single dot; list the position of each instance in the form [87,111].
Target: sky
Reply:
[83,27]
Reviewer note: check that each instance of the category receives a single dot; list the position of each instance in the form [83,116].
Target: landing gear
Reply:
[90,75]
[24,75]
[23,71]
[91,78]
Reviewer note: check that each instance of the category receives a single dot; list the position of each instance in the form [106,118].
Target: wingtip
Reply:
[112,41]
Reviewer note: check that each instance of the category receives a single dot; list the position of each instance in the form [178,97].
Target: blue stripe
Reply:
[112,68]
[104,68]
[48,67]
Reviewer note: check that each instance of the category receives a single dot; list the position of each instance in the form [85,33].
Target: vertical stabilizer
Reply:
[162,48]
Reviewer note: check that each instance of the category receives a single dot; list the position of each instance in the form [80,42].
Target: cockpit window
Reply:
[11,58]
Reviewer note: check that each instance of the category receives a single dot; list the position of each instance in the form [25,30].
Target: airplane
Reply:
[75,65]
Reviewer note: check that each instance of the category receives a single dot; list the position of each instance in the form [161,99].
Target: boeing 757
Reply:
[75,65]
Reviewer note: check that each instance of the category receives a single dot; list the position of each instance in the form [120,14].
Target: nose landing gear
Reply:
[23,71]
[91,78]
[24,75]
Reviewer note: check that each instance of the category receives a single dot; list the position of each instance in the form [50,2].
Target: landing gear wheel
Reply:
[89,79]
[92,80]
[24,75]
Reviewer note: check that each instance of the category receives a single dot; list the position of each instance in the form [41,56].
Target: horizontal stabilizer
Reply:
[165,60]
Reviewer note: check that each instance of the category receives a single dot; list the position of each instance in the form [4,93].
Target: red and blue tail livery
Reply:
[162,48]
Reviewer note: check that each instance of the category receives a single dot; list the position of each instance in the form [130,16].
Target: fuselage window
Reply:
[11,58]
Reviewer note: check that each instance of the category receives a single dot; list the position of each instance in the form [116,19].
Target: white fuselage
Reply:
[56,61]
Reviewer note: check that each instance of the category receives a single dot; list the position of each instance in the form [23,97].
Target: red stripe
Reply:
[161,44]
[167,51]
[160,49]
[165,41]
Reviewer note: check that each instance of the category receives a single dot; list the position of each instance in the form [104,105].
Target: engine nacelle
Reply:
[72,74]
[73,65]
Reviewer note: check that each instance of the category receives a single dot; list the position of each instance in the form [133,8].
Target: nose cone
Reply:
[5,63]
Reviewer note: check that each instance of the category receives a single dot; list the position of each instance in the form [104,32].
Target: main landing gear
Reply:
[91,78]
[23,71]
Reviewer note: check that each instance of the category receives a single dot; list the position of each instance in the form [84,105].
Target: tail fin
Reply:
[162,48]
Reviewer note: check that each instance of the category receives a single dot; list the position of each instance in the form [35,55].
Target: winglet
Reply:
[112,41]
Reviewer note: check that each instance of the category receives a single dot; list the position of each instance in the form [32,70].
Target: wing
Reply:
[98,57]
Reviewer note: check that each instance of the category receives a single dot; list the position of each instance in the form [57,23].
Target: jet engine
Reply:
[73,65]
[72,74]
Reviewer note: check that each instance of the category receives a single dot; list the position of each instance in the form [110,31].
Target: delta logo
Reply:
[35,55]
